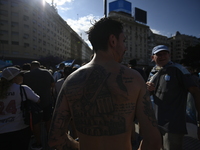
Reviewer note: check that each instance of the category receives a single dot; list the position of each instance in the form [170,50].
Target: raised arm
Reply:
[58,137]
[152,139]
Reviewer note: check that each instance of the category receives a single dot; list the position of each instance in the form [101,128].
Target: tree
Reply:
[191,56]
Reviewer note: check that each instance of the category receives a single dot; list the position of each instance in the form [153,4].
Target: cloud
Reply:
[167,34]
[59,2]
[64,8]
[155,31]
[82,25]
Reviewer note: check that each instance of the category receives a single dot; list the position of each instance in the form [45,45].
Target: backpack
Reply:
[28,108]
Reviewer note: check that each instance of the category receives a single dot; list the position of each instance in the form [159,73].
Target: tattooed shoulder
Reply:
[148,109]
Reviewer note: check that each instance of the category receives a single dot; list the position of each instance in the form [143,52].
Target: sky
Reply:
[164,17]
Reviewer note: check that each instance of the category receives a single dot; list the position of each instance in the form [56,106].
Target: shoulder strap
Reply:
[22,101]
[21,94]
[24,93]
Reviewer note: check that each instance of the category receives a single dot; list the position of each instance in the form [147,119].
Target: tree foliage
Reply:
[192,56]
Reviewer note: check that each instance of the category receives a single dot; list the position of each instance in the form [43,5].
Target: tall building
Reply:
[136,32]
[141,40]
[32,29]
[179,42]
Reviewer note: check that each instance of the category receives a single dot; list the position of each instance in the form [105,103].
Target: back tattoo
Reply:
[95,112]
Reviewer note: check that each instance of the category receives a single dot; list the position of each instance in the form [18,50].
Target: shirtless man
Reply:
[103,97]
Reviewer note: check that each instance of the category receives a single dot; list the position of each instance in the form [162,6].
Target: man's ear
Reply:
[112,41]
[152,58]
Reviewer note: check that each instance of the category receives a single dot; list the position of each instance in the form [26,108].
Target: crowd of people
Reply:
[96,106]
[41,86]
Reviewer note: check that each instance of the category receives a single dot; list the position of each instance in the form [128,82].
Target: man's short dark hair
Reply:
[99,33]
[61,65]
[35,63]
[67,70]
[133,63]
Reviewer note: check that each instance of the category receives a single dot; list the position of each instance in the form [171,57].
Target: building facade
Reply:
[136,42]
[32,29]
[179,42]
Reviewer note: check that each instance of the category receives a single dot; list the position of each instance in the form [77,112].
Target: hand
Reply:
[150,86]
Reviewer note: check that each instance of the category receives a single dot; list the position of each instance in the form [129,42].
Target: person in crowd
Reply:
[133,65]
[103,97]
[26,67]
[135,138]
[14,134]
[191,115]
[169,84]
[42,82]
[59,73]
[66,71]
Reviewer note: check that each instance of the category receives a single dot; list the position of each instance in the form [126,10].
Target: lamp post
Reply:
[105,8]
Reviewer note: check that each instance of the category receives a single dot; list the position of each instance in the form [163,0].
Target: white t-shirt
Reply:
[58,85]
[10,113]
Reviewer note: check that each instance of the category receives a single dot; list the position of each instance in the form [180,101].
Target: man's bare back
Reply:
[103,98]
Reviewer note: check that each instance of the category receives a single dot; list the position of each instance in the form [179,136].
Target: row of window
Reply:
[62,41]
[35,47]
[39,41]
[26,18]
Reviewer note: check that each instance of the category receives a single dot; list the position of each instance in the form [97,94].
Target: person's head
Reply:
[106,32]
[61,66]
[161,55]
[26,66]
[133,63]
[67,71]
[10,75]
[13,74]
[35,64]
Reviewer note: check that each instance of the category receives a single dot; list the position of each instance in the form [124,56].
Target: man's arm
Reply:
[58,137]
[152,139]
[195,91]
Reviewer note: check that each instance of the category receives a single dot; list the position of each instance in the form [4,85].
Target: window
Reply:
[26,26]
[3,2]
[26,36]
[34,30]
[4,42]
[14,4]
[14,24]
[25,18]
[4,13]
[15,33]
[15,43]
[3,32]
[44,42]
[14,14]
[34,38]
[3,22]
[34,47]
[15,52]
[26,44]
[26,9]
[39,33]
[34,21]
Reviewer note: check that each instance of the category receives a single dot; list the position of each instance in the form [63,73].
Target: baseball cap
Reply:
[160,48]
[10,72]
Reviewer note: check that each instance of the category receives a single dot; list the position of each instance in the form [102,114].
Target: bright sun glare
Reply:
[43,2]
